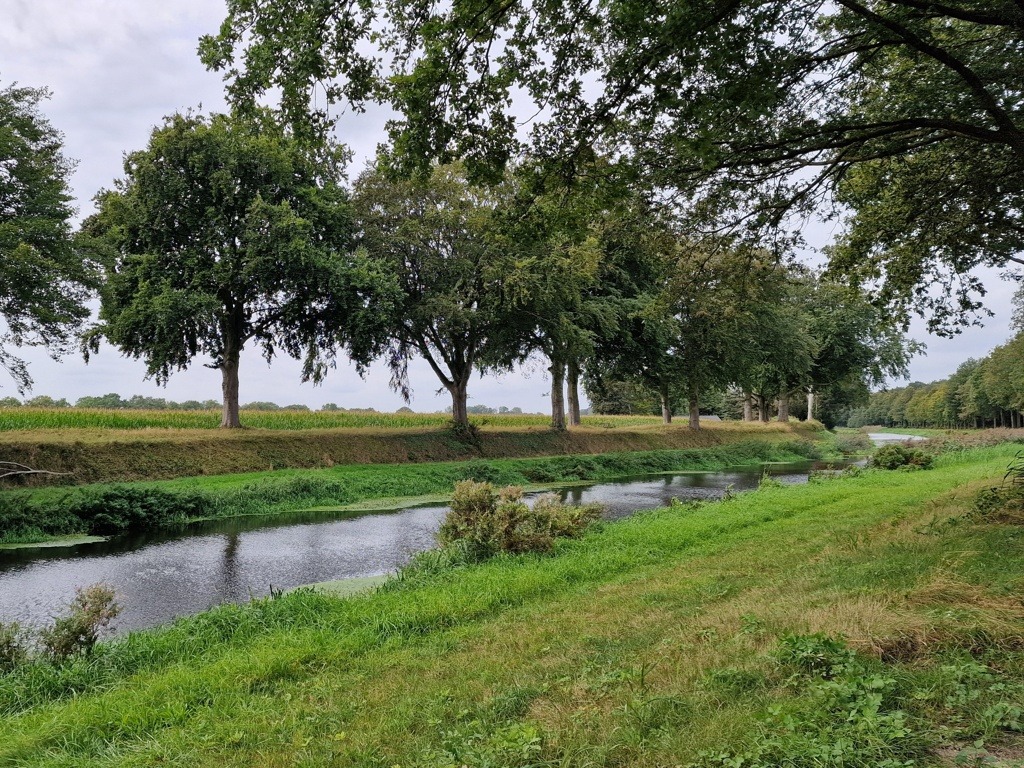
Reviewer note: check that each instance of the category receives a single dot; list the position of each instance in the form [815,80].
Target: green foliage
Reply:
[436,234]
[985,392]
[45,281]
[77,631]
[225,231]
[894,456]
[490,522]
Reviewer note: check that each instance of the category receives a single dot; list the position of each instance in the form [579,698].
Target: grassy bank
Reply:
[124,455]
[691,635]
[103,509]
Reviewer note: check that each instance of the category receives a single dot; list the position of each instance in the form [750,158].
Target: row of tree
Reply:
[228,231]
[982,393]
[474,244]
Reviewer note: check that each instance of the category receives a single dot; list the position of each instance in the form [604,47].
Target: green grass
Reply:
[28,418]
[171,503]
[661,640]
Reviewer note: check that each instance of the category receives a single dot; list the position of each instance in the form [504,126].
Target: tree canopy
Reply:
[905,115]
[437,236]
[44,282]
[226,231]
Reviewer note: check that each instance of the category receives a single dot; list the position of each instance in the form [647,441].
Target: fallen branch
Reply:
[11,468]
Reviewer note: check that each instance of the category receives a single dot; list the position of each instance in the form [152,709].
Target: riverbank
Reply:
[107,455]
[105,509]
[648,642]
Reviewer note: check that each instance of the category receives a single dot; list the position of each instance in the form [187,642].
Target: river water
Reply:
[160,577]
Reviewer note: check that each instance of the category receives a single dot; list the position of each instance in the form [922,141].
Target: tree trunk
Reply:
[666,405]
[783,403]
[762,409]
[748,407]
[229,382]
[557,395]
[694,409]
[573,386]
[810,404]
[459,390]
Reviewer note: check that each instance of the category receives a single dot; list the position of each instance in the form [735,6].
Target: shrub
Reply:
[850,444]
[123,508]
[13,646]
[88,615]
[897,456]
[488,521]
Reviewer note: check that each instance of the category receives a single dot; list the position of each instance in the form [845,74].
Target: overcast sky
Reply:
[115,68]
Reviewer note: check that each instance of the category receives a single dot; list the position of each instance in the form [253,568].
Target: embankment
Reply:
[107,456]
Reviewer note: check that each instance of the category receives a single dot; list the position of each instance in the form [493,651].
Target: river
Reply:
[160,577]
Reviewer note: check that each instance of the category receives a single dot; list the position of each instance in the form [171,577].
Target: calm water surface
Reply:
[160,577]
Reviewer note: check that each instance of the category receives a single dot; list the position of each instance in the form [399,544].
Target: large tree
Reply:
[44,282]
[907,112]
[437,235]
[227,231]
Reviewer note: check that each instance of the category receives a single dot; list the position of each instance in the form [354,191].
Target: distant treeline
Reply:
[982,393]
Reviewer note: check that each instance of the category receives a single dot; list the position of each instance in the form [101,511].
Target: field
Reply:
[32,419]
[861,621]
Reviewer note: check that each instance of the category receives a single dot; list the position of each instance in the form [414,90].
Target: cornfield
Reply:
[28,418]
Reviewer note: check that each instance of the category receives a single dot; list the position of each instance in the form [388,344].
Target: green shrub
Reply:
[88,615]
[896,456]
[489,521]
[124,508]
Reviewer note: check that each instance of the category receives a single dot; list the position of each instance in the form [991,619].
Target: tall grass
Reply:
[27,419]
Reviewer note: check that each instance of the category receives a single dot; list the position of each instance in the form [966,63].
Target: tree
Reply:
[908,111]
[227,231]
[436,235]
[44,282]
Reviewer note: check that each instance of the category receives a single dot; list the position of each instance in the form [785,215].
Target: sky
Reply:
[116,68]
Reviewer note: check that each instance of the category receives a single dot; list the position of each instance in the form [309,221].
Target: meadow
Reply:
[861,621]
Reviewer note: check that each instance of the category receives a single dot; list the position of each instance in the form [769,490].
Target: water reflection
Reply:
[160,577]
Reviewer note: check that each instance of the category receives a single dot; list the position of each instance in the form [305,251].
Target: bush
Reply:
[850,444]
[88,615]
[124,508]
[899,456]
[488,522]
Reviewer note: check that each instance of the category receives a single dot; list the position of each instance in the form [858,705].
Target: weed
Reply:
[491,522]
[88,615]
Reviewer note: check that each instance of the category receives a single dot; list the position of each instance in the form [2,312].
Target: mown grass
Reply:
[106,509]
[656,641]
[29,419]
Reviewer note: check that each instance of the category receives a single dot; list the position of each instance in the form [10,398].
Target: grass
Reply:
[100,508]
[690,635]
